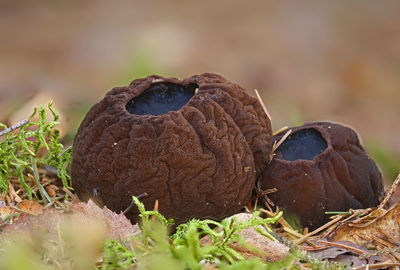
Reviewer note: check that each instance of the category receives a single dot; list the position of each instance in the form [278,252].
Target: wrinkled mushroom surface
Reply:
[322,167]
[187,143]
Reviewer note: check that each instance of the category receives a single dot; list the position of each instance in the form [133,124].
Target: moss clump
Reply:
[21,150]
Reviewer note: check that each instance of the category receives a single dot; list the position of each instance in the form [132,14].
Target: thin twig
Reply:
[284,137]
[356,250]
[281,221]
[277,144]
[48,205]
[269,191]
[69,193]
[280,131]
[387,235]
[262,104]
[62,206]
[366,221]
[256,203]
[285,225]
[311,248]
[383,265]
[363,237]
[153,218]
[383,251]
[14,127]
[13,195]
[334,226]
[391,191]
[263,195]
[292,232]
[144,194]
[327,225]
[381,241]
[386,246]
[298,235]
[20,210]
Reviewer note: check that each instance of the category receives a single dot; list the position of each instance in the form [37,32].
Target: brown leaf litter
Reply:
[116,226]
[364,239]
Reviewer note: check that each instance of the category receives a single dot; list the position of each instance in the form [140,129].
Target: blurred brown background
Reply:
[311,60]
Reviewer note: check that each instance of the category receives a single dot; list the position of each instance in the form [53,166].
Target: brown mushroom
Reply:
[321,167]
[188,144]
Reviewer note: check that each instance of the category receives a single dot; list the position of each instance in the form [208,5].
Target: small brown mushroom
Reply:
[322,167]
[188,144]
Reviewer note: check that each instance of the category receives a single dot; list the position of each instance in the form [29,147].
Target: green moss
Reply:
[35,140]
[155,249]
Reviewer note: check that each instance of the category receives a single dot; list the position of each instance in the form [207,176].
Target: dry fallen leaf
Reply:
[52,190]
[116,225]
[13,195]
[6,211]
[379,224]
[31,207]
[345,256]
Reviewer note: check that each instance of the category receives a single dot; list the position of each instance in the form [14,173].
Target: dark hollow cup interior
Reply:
[161,98]
[303,144]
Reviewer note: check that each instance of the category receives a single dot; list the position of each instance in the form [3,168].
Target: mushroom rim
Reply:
[161,97]
[317,158]
[148,82]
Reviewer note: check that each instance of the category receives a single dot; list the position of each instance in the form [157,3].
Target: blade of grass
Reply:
[42,191]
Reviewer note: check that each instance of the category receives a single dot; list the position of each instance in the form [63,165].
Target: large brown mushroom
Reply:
[187,143]
[321,167]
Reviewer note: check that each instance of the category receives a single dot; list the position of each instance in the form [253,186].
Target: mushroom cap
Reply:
[245,110]
[333,173]
[196,160]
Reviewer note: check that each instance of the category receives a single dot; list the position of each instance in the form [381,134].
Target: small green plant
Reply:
[188,237]
[183,249]
[116,256]
[75,245]
[36,142]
